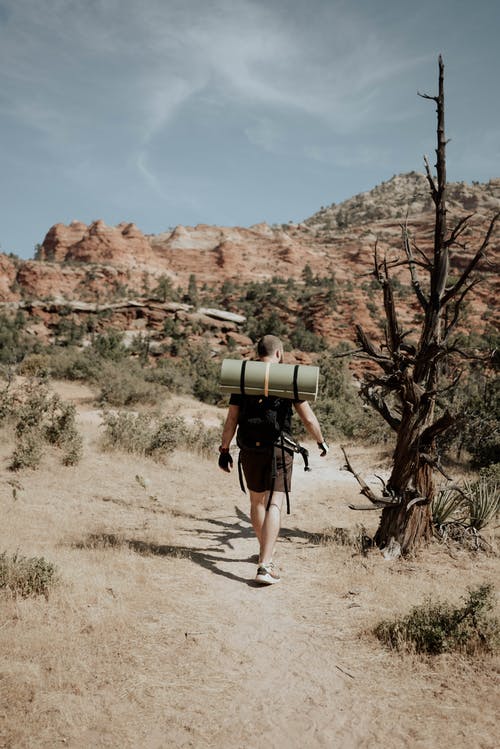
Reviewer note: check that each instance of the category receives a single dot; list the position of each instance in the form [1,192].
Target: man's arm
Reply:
[311,423]
[230,426]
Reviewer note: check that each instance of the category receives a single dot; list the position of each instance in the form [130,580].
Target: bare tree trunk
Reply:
[406,391]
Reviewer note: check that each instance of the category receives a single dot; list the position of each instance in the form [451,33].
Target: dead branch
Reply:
[475,260]
[380,405]
[373,351]
[412,266]
[363,507]
[456,309]
[352,352]
[365,489]
[434,463]
[458,230]
[430,178]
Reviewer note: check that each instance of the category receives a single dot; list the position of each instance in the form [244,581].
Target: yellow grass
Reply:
[156,637]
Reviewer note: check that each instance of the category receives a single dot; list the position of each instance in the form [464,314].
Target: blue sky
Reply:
[231,112]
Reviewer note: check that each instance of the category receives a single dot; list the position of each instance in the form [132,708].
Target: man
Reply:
[258,465]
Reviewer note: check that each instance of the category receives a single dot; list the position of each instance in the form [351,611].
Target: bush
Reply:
[15,343]
[41,417]
[477,400]
[109,346]
[28,451]
[156,436]
[35,365]
[172,374]
[435,628]
[126,386]
[61,430]
[170,433]
[205,375]
[26,576]
[201,439]
[127,431]
[72,364]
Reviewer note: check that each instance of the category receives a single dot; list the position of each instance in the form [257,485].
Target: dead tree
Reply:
[405,391]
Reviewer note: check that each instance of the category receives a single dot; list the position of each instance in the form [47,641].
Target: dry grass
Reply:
[155,636]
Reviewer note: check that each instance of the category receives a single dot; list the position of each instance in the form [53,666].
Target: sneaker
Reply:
[267,574]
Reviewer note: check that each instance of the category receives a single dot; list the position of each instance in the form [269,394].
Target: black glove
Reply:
[225,460]
[323,449]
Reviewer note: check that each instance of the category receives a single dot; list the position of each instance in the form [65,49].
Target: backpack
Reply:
[261,422]
[264,423]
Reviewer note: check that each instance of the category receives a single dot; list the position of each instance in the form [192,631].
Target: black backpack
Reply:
[264,423]
[261,421]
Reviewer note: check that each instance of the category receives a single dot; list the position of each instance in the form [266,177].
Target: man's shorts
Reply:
[257,469]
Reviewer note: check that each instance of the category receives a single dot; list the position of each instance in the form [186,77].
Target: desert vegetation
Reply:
[129,617]
[125,598]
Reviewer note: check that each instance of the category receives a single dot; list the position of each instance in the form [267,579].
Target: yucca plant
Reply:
[448,506]
[483,502]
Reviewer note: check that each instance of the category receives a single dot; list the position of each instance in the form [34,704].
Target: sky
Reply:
[232,112]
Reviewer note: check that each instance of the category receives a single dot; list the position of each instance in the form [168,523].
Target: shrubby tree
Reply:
[413,374]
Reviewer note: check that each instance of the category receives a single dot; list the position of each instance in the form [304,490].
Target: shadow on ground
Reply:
[222,535]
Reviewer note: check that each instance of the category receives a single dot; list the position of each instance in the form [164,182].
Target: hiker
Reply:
[267,468]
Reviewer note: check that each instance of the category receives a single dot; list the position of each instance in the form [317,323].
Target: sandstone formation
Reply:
[122,245]
[99,265]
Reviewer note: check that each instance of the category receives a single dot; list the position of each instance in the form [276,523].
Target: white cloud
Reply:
[166,53]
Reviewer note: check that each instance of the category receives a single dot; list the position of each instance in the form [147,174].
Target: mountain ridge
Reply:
[97,264]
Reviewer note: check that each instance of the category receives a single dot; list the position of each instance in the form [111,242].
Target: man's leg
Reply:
[266,524]
[258,502]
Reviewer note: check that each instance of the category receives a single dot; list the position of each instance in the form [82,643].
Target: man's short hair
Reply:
[268,345]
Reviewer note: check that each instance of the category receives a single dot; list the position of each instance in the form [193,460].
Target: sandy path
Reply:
[163,640]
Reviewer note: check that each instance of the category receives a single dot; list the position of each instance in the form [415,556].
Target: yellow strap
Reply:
[266,379]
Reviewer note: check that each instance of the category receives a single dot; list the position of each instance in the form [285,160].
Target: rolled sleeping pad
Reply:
[294,381]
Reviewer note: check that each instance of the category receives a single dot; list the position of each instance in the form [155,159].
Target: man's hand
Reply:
[323,447]
[225,459]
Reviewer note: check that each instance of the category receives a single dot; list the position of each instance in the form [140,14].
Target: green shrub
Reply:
[26,576]
[42,418]
[109,345]
[491,473]
[127,431]
[437,627]
[204,372]
[476,430]
[15,343]
[72,364]
[61,430]
[28,451]
[125,385]
[35,365]
[173,374]
[201,439]
[6,401]
[170,433]
[156,436]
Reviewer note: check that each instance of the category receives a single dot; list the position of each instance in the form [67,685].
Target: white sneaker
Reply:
[267,574]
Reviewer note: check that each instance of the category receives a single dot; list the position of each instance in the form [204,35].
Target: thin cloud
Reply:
[167,54]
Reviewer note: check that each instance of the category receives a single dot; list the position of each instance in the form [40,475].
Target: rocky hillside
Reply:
[321,269]
[406,194]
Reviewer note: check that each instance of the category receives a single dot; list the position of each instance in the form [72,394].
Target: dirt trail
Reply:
[158,636]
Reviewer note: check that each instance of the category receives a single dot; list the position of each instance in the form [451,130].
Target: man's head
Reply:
[270,348]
